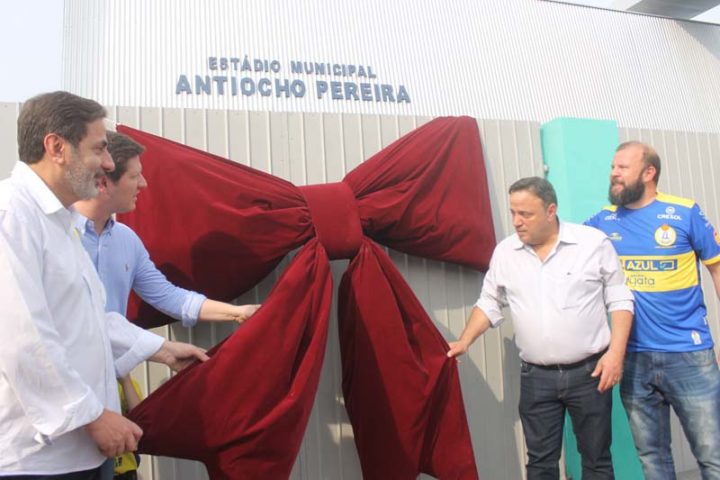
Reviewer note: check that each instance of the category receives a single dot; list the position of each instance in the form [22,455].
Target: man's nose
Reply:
[106,162]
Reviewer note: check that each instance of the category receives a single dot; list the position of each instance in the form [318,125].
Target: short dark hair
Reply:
[62,113]
[121,148]
[539,187]
[650,156]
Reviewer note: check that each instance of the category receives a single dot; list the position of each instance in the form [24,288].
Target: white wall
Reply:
[508,59]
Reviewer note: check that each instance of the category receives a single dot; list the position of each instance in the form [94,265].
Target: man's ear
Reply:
[552,211]
[55,147]
[648,173]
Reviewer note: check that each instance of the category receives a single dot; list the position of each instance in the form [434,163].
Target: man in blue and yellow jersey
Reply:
[661,240]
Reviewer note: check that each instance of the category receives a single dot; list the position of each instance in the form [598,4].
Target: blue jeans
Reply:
[689,382]
[107,469]
[545,395]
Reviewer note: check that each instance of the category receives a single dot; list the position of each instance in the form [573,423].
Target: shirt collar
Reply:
[24,176]
[565,235]
[84,224]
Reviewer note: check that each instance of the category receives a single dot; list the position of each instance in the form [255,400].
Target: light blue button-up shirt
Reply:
[123,263]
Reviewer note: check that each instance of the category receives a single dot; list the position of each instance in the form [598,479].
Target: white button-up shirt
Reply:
[559,306]
[60,353]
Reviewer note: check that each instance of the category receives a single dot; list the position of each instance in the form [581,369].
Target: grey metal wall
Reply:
[508,59]
[308,148]
[318,148]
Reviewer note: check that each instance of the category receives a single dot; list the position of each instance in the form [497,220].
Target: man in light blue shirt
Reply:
[122,261]
[124,264]
[119,255]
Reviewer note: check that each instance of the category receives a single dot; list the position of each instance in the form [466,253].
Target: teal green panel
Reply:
[578,153]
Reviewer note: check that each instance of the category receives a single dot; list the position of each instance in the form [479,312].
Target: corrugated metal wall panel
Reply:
[318,148]
[8,137]
[510,59]
[310,148]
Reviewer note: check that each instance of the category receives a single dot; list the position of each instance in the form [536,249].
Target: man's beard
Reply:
[629,194]
[81,180]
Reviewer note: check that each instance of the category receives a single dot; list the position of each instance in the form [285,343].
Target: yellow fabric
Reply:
[685,202]
[660,273]
[127,462]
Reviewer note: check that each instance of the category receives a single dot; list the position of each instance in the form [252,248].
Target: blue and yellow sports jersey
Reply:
[660,247]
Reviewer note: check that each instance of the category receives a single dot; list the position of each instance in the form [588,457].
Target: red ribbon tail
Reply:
[401,391]
[243,412]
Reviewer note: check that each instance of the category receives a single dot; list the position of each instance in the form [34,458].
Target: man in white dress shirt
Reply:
[559,280]
[60,351]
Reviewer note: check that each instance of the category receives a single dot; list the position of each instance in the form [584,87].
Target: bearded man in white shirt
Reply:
[60,352]
[560,280]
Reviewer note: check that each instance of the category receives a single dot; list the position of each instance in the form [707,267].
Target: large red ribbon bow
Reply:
[219,227]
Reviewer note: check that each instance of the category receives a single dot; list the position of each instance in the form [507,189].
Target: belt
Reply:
[569,366]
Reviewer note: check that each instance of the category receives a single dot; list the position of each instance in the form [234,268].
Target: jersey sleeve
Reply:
[594,220]
[704,238]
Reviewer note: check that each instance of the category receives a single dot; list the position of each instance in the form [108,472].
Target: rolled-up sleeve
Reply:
[130,344]
[492,295]
[155,289]
[616,294]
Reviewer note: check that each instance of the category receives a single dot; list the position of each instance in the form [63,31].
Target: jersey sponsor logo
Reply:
[665,235]
[640,283]
[610,217]
[654,265]
[660,273]
[669,214]
[615,237]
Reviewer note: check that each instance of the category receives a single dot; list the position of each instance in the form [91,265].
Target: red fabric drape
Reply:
[243,413]
[219,227]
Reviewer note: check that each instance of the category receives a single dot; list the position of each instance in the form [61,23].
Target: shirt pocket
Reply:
[572,290]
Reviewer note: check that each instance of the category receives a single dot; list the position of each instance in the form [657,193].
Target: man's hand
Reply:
[477,324]
[457,348]
[609,368]
[214,311]
[114,434]
[243,312]
[177,355]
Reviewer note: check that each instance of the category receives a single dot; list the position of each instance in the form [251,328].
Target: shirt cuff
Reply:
[617,293]
[628,305]
[491,311]
[191,309]
[144,347]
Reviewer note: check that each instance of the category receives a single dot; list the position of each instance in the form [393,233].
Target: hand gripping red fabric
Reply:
[219,227]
